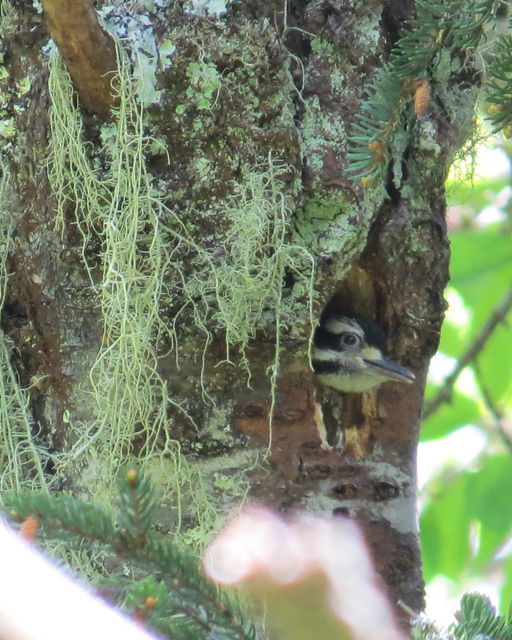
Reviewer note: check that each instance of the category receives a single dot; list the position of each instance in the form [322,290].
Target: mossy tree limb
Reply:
[88,52]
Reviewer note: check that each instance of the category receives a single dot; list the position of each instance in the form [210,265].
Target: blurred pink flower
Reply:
[314,575]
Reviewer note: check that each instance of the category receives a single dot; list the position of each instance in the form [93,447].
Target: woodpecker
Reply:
[348,354]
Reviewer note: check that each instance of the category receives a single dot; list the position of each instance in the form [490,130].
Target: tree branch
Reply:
[495,411]
[472,352]
[88,52]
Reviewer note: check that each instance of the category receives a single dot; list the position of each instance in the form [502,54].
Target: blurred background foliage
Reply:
[465,459]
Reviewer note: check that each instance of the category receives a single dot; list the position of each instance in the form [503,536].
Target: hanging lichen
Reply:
[21,460]
[236,287]
[115,209]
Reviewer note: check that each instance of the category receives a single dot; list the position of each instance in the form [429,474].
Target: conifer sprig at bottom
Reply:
[149,574]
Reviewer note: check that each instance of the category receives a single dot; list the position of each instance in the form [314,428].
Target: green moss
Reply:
[7,128]
[368,32]
[320,131]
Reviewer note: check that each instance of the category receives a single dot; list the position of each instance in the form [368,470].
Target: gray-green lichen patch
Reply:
[7,18]
[227,101]
[215,8]
[15,82]
[324,224]
[341,43]
[323,139]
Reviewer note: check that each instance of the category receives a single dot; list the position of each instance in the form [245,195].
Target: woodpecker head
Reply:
[348,354]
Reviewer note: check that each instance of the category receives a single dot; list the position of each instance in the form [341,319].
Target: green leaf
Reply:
[506,590]
[495,365]
[481,270]
[461,411]
[447,524]
[453,339]
[445,530]
[491,504]
[478,195]
[488,544]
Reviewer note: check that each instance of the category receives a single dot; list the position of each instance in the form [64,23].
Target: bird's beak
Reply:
[389,369]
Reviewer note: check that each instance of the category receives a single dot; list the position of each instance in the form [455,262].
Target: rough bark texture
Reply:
[255,83]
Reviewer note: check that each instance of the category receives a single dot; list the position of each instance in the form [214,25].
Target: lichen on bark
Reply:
[137,229]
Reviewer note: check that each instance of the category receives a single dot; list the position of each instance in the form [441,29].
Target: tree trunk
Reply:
[162,267]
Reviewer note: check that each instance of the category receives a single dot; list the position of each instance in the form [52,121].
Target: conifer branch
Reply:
[499,87]
[136,506]
[176,598]
[477,618]
[442,30]
[63,515]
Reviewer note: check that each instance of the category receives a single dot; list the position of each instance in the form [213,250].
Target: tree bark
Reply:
[259,87]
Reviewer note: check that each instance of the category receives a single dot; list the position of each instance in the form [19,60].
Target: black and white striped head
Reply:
[348,354]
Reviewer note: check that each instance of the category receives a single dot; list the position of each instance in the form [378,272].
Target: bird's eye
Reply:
[349,339]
